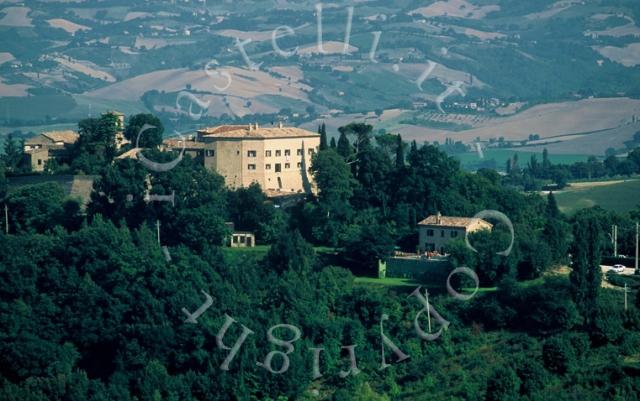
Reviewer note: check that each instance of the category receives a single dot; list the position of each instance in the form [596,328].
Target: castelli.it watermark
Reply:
[222,80]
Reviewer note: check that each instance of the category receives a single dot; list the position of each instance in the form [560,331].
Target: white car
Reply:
[618,268]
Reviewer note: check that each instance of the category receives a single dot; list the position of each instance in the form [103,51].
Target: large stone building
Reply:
[436,231]
[48,145]
[278,158]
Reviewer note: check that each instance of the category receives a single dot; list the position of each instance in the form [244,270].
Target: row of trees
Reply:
[535,173]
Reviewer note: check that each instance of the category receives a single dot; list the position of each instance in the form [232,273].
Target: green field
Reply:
[4,130]
[619,197]
[471,160]
[36,108]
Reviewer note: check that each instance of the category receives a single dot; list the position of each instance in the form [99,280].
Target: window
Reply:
[454,234]
[442,233]
[237,152]
[299,165]
[311,151]
[39,162]
[278,169]
[429,233]
[299,152]
[242,239]
[251,166]
[251,153]
[267,153]
[287,152]
[278,153]
[267,167]
[210,153]
[287,165]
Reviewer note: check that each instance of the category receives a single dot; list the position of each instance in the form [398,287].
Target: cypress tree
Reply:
[413,151]
[399,152]
[586,274]
[12,153]
[332,143]
[556,231]
[546,163]
[322,130]
[3,182]
[344,147]
[552,207]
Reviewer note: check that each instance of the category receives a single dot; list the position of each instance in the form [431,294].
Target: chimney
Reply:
[257,126]
[280,124]
[438,218]
[250,127]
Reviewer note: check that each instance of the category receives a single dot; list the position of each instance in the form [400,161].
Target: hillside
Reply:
[617,196]
[548,58]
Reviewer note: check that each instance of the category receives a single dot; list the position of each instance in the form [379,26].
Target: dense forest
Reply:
[91,305]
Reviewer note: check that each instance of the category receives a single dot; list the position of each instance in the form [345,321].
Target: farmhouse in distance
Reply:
[436,231]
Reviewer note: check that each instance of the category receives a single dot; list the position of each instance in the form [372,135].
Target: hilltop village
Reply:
[319,233]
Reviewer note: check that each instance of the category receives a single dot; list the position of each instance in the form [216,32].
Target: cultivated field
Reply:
[86,68]
[552,10]
[592,143]
[548,120]
[330,47]
[16,17]
[455,8]
[256,36]
[629,29]
[245,95]
[13,89]
[245,83]
[68,26]
[6,57]
[629,56]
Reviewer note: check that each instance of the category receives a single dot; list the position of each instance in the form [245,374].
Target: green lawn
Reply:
[387,282]
[394,282]
[618,197]
[244,255]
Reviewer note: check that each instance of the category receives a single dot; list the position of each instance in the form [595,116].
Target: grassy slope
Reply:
[620,197]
